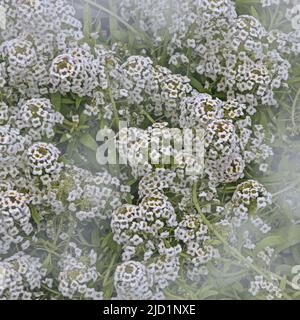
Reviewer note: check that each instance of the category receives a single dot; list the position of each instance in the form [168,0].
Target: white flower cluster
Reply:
[252,195]
[223,151]
[249,197]
[136,281]
[75,71]
[146,149]
[231,51]
[156,87]
[155,229]
[78,275]
[143,226]
[229,140]
[21,277]
[33,33]
[50,23]
[131,281]
[287,42]
[20,67]
[270,289]
[15,222]
[163,270]
[291,8]
[174,181]
[43,161]
[37,118]
[90,195]
[192,232]
[12,148]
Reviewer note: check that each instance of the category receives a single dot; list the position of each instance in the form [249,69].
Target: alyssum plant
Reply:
[72,227]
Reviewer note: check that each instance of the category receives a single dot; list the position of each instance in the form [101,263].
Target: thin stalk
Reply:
[294,108]
[50,290]
[116,112]
[114,15]
[231,250]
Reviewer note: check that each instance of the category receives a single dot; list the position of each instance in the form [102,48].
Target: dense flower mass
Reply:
[232,52]
[21,277]
[77,273]
[91,196]
[131,281]
[38,119]
[91,208]
[15,219]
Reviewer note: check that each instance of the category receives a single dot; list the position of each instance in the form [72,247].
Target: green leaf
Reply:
[281,239]
[67,101]
[113,23]
[282,284]
[121,36]
[84,126]
[291,236]
[56,100]
[47,261]
[88,141]
[95,237]
[82,118]
[87,20]
[65,137]
[254,12]
[78,101]
[197,85]
[206,292]
[35,215]
[269,241]
[131,181]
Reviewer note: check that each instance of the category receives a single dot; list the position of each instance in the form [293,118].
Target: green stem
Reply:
[128,26]
[109,270]
[49,251]
[116,112]
[231,250]
[286,189]
[50,290]
[145,113]
[274,16]
[294,108]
